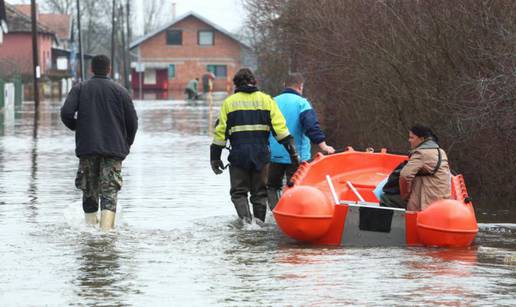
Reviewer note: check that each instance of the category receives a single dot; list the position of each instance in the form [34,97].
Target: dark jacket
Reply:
[246,119]
[106,121]
[392,186]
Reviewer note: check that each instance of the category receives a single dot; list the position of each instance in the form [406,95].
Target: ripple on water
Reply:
[178,242]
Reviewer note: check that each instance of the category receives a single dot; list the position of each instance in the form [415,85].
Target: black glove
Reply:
[217,166]
[216,163]
[288,142]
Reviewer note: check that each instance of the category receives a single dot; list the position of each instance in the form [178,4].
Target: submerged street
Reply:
[177,239]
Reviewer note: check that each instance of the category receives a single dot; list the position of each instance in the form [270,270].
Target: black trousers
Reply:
[277,171]
[245,182]
[191,94]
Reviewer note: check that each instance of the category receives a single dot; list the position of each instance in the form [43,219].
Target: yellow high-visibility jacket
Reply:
[246,119]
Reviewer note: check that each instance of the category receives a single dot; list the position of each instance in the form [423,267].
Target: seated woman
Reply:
[390,189]
[426,176]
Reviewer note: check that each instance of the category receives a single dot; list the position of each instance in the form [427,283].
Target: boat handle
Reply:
[332,189]
[350,185]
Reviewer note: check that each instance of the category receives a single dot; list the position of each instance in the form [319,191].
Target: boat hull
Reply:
[332,202]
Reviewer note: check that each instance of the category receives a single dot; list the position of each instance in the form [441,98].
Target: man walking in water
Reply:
[303,125]
[102,114]
[246,119]
[192,89]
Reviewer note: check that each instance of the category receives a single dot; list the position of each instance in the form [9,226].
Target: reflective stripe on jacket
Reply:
[246,119]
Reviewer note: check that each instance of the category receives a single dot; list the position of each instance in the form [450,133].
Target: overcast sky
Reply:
[229,14]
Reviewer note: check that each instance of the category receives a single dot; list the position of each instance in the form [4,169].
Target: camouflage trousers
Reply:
[99,178]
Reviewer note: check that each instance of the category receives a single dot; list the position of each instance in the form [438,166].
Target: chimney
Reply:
[173,11]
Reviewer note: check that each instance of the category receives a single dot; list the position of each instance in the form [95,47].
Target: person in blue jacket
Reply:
[303,126]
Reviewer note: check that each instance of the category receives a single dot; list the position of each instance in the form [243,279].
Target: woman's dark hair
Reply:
[100,65]
[244,77]
[423,132]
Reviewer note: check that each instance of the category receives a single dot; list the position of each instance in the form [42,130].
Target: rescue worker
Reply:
[246,119]
[192,89]
[304,127]
[102,115]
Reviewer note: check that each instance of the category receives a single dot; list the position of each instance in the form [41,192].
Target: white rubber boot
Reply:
[91,218]
[107,219]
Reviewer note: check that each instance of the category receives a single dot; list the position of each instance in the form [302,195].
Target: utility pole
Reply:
[128,20]
[124,46]
[128,52]
[35,55]
[113,28]
[81,55]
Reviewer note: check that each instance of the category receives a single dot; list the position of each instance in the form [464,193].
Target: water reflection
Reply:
[100,278]
[466,256]
[178,242]
[32,191]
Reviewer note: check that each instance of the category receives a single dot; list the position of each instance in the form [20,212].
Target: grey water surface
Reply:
[178,242]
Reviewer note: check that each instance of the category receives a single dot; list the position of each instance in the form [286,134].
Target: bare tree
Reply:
[59,6]
[375,68]
[155,14]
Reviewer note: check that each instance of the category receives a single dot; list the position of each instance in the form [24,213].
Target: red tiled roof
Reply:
[20,22]
[142,39]
[58,23]
[23,8]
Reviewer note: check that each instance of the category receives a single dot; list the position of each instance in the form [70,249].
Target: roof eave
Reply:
[142,39]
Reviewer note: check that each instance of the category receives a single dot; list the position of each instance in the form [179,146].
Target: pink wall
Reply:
[16,53]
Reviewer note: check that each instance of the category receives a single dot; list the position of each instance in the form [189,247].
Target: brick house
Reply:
[184,49]
[16,49]
[61,26]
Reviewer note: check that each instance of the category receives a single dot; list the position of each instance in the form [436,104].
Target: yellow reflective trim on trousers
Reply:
[241,128]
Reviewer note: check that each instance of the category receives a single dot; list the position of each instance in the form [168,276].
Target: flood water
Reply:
[178,241]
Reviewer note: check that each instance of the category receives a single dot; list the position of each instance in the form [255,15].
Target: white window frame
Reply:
[149,76]
[212,42]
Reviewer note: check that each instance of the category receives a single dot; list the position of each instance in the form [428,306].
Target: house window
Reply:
[205,37]
[62,63]
[171,71]
[174,37]
[149,76]
[220,71]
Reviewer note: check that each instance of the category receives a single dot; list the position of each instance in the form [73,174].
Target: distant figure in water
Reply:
[246,119]
[423,179]
[102,114]
[207,82]
[192,89]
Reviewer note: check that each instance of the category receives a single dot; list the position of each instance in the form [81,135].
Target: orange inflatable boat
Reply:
[332,202]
